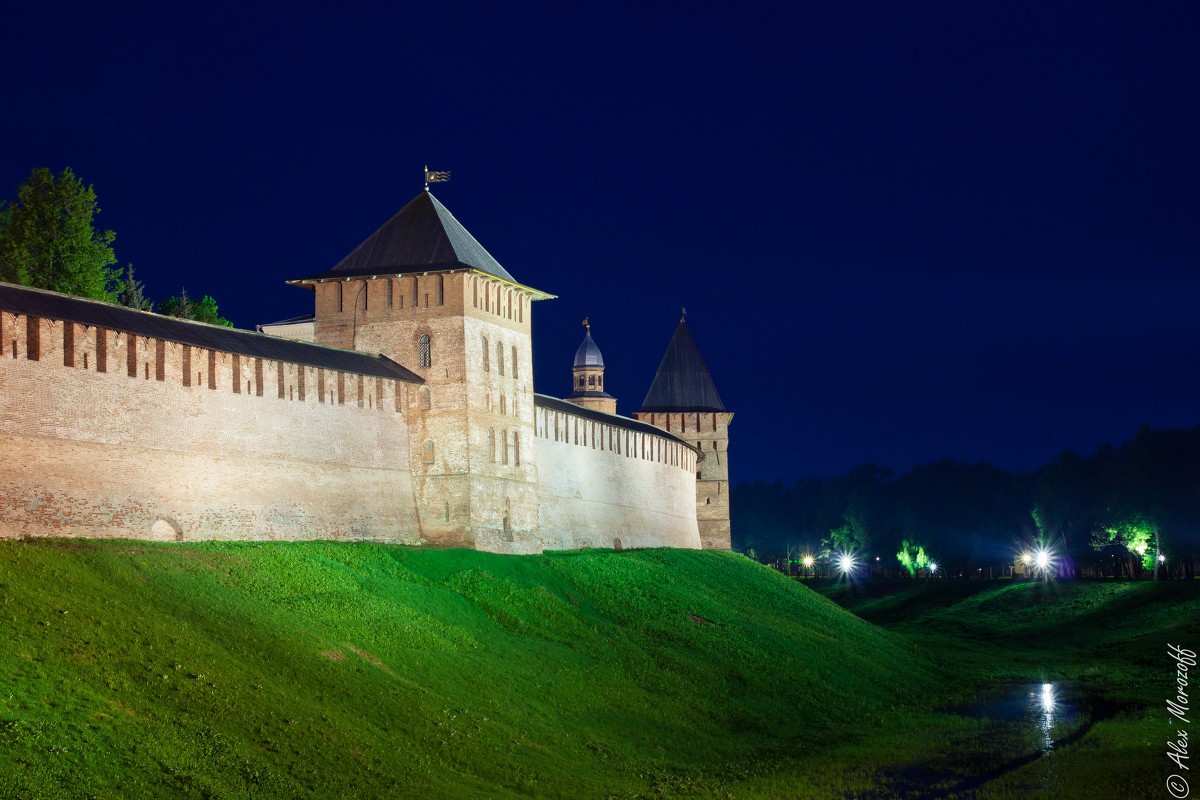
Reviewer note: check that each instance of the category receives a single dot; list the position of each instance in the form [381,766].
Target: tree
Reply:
[48,240]
[912,557]
[132,292]
[198,310]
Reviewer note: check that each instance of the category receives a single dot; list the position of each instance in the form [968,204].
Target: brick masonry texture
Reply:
[105,434]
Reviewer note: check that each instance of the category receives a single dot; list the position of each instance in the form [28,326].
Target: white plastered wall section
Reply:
[590,497]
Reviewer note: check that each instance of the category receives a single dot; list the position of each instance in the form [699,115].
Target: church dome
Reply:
[588,355]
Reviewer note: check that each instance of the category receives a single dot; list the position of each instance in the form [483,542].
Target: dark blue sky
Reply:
[901,231]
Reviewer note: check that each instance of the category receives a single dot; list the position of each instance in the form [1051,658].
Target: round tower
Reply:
[587,377]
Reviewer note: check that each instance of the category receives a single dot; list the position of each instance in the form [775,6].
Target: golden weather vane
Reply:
[435,177]
[586,324]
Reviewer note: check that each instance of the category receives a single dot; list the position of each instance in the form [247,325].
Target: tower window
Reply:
[441,289]
[366,293]
[486,356]
[339,296]
[591,380]
[500,358]
[390,289]
[424,351]
[491,444]
[514,362]
[428,452]
[425,399]
[414,291]
[581,382]
[504,452]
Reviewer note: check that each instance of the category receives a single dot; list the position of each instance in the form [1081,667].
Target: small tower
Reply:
[683,400]
[587,377]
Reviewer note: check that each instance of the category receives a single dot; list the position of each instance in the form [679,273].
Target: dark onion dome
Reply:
[682,382]
[588,354]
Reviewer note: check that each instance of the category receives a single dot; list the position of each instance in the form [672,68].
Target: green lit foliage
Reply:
[198,310]
[1136,534]
[852,536]
[48,241]
[912,557]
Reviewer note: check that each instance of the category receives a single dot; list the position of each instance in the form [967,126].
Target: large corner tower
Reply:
[683,400]
[423,292]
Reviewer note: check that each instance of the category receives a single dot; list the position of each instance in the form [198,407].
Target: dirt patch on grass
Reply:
[700,620]
[369,657]
[334,655]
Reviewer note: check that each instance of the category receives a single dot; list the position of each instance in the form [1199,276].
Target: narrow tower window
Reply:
[390,288]
[487,364]
[441,289]
[500,357]
[514,362]
[425,354]
[339,296]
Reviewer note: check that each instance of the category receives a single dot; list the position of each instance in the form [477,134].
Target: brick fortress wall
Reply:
[107,434]
[607,486]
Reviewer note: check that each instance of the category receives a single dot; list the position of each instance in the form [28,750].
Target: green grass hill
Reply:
[135,669]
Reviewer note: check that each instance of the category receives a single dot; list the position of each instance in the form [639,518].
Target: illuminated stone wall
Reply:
[710,433]
[474,472]
[602,483]
[110,454]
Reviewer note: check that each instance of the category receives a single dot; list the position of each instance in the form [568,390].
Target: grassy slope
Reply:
[1109,636]
[342,670]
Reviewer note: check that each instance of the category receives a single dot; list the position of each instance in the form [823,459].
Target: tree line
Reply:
[48,240]
[1131,511]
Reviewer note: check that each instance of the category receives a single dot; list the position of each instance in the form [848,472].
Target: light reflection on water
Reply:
[1046,724]
[1047,711]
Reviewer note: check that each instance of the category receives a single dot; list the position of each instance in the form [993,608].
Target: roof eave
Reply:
[311,281]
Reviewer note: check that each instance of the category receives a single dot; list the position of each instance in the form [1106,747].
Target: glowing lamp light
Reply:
[1141,550]
[808,561]
[1162,558]
[1043,559]
[933,566]
[846,563]
[1026,558]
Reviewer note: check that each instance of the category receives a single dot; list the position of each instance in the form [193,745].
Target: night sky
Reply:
[902,231]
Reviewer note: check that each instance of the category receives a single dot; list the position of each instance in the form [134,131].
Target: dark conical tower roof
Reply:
[682,382]
[422,236]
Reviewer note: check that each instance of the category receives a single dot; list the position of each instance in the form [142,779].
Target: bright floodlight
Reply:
[1043,559]
[846,563]
[933,566]
[1026,558]
[808,561]
[1162,558]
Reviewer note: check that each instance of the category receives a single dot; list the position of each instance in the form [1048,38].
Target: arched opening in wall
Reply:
[339,296]
[447,511]
[508,536]
[424,351]
[617,544]
[514,362]
[441,290]
[425,399]
[591,380]
[166,530]
[487,363]
[428,452]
